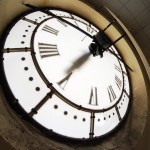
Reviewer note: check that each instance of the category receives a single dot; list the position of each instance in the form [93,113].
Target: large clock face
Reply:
[58,82]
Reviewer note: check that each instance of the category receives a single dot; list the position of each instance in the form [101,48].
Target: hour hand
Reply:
[78,62]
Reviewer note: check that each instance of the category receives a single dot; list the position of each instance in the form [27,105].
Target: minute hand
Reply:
[59,18]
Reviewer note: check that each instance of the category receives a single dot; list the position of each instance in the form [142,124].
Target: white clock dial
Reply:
[83,79]
[51,75]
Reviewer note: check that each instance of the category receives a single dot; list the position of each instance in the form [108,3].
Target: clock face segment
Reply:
[63,55]
[89,92]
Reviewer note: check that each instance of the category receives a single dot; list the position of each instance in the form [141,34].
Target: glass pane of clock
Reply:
[123,105]
[56,112]
[20,35]
[24,80]
[37,16]
[105,122]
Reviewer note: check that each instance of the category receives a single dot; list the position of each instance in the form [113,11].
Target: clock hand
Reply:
[59,18]
[101,44]
[78,63]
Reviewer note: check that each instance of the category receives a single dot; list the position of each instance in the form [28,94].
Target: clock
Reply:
[52,77]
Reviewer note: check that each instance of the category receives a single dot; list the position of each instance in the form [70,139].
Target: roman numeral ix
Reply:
[62,83]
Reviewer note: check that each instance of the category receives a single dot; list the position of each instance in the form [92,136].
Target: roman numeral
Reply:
[50,30]
[117,68]
[74,20]
[125,73]
[93,97]
[29,20]
[62,83]
[89,29]
[111,93]
[72,17]
[63,23]
[48,50]
[118,82]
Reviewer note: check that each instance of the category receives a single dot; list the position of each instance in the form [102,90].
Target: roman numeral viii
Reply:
[93,97]
[48,50]
[50,30]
